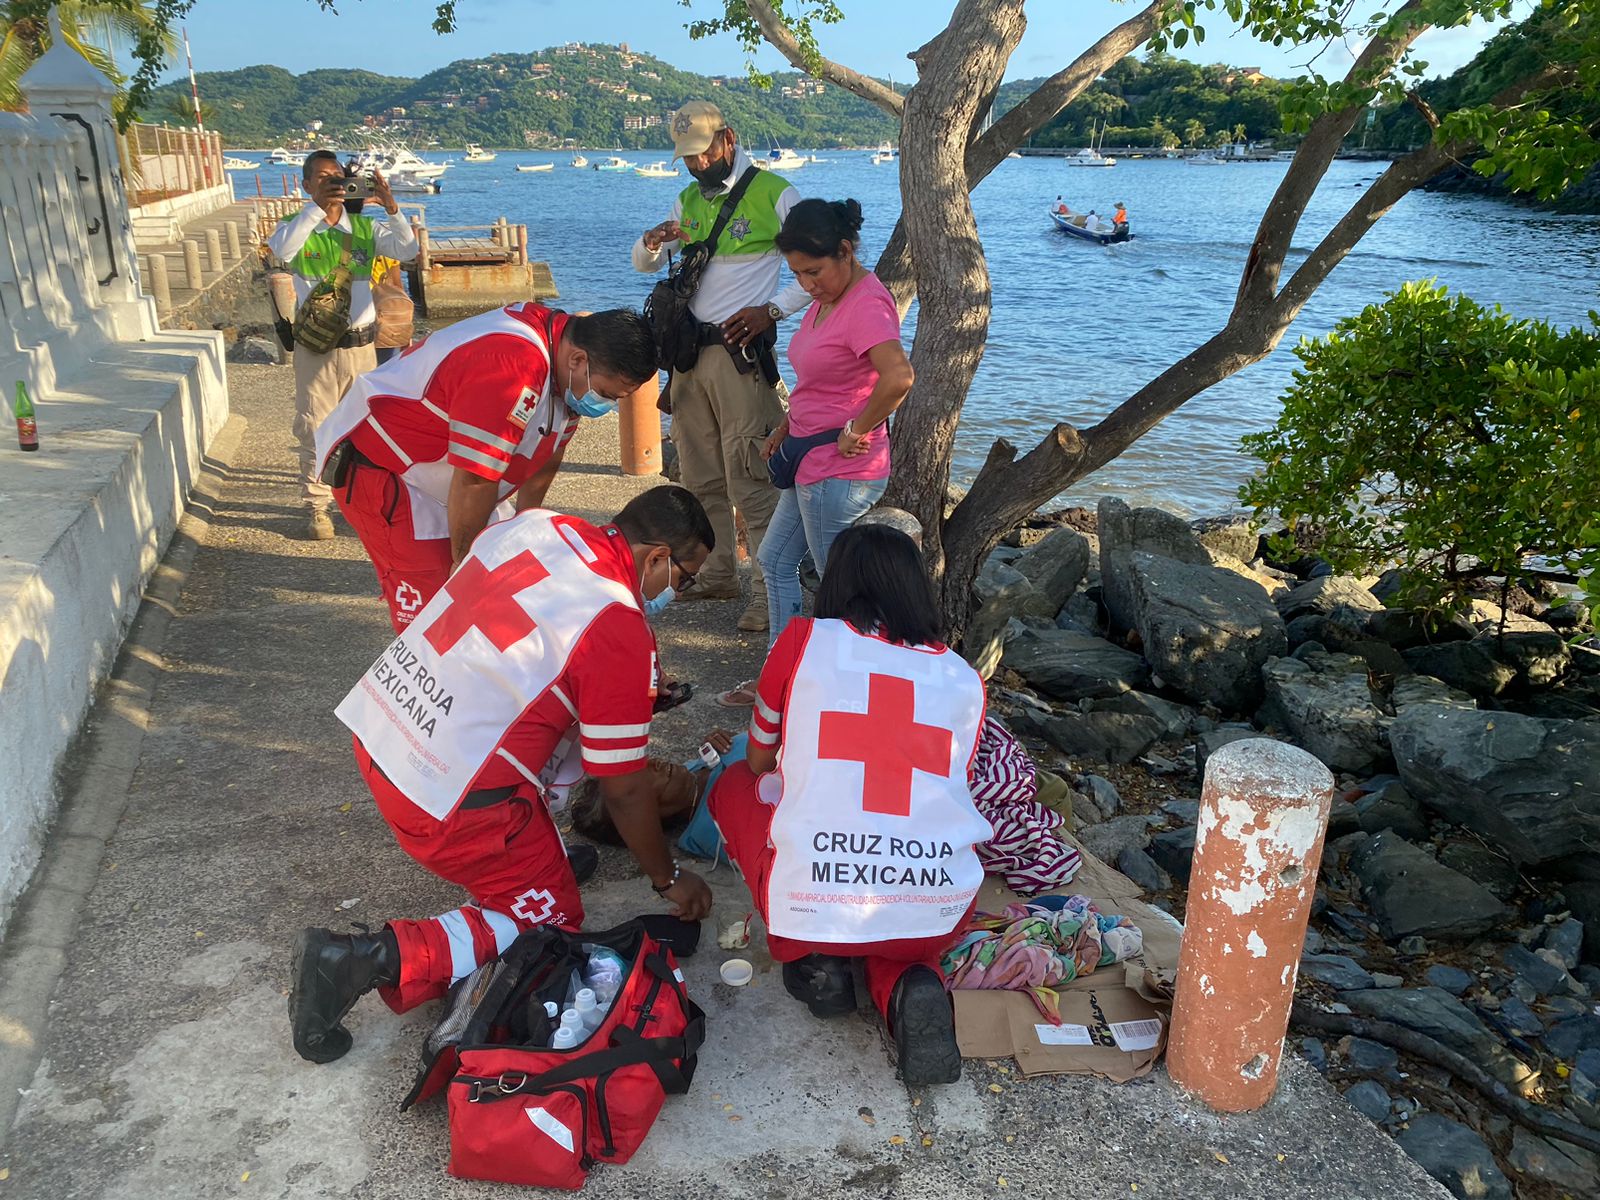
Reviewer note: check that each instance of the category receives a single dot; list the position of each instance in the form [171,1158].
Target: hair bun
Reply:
[849,215]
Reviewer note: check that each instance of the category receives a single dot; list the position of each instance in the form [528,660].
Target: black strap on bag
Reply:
[675,331]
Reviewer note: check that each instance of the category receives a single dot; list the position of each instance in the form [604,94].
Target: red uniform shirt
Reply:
[476,405]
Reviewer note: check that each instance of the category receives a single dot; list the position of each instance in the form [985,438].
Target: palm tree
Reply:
[1193,131]
[183,110]
[24,38]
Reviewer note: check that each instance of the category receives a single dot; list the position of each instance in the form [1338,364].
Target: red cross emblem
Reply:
[488,600]
[888,743]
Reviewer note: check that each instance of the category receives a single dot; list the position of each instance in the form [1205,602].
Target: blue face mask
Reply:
[591,403]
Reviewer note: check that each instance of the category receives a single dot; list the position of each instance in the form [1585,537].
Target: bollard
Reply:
[232,230]
[160,288]
[640,435]
[191,264]
[214,251]
[1263,814]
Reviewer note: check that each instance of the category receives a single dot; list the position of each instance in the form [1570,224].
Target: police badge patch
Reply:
[739,228]
[680,124]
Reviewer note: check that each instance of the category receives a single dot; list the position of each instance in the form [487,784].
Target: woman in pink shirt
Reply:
[850,375]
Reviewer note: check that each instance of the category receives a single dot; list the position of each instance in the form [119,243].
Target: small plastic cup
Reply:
[737,972]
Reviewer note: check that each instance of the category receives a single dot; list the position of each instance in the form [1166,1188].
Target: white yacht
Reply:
[657,170]
[613,162]
[477,154]
[283,158]
[780,158]
[230,163]
[884,154]
[579,161]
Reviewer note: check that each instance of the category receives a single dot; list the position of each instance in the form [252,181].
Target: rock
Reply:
[1328,595]
[1215,739]
[1070,666]
[1373,1058]
[1370,1100]
[1560,1008]
[1424,690]
[1324,703]
[1338,971]
[1237,536]
[1545,977]
[1450,979]
[1206,632]
[1589,975]
[1411,893]
[1560,1164]
[1124,530]
[1482,865]
[1103,792]
[1440,1015]
[1313,943]
[1082,612]
[994,577]
[1538,656]
[1173,850]
[1412,945]
[1314,1052]
[1141,868]
[1569,1038]
[1565,940]
[1584,900]
[1185,812]
[255,350]
[985,639]
[1467,666]
[1404,628]
[1392,807]
[1176,719]
[1520,1019]
[1456,1157]
[1525,784]
[1055,567]
[1342,633]
[1108,840]
[1379,979]
[1104,737]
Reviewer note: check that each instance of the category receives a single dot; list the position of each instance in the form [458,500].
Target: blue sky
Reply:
[394,37]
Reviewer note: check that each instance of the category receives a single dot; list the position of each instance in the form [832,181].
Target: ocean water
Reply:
[1077,328]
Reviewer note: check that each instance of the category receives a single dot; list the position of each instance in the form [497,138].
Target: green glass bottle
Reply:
[27,424]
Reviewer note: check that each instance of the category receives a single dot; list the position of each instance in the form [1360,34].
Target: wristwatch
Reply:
[774,312]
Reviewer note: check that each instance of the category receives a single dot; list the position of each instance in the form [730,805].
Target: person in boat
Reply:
[1061,207]
[851,818]
[1120,217]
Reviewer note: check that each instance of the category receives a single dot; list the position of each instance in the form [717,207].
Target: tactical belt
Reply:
[364,336]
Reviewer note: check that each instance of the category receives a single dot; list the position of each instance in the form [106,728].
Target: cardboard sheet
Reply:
[1123,1005]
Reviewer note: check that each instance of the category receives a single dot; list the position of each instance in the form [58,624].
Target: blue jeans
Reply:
[809,516]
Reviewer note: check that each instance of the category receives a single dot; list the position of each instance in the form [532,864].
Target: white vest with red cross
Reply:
[875,826]
[435,705]
[406,378]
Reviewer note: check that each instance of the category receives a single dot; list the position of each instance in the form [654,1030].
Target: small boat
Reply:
[1090,155]
[780,158]
[231,163]
[613,162]
[1207,159]
[884,154]
[657,170]
[1013,154]
[579,161]
[1089,227]
[406,184]
[529,168]
[282,158]
[477,154]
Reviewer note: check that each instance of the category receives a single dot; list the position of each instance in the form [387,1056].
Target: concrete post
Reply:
[1263,814]
[640,435]
[234,251]
[522,245]
[191,264]
[160,288]
[214,251]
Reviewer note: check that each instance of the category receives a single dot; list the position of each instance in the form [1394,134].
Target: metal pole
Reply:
[214,251]
[1263,814]
[191,264]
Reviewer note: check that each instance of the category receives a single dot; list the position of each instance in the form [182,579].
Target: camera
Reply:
[358,187]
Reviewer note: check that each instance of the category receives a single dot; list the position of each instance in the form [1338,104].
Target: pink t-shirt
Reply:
[834,377]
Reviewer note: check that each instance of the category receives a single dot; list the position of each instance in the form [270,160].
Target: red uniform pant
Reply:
[410,569]
[746,822]
[507,854]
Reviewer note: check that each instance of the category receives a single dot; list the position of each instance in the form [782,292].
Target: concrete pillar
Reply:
[234,252]
[64,86]
[160,288]
[191,264]
[1263,814]
[214,251]
[522,245]
[640,435]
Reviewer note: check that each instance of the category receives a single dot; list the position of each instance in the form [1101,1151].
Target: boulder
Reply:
[1108,840]
[1404,628]
[1538,656]
[1082,612]
[1173,852]
[995,575]
[1392,807]
[1456,1157]
[1123,531]
[1371,1058]
[1103,792]
[1142,869]
[1176,719]
[1324,703]
[1237,536]
[1544,976]
[1442,1017]
[984,642]
[1560,1164]
[1415,691]
[255,350]
[1070,666]
[1055,567]
[1574,1036]
[1525,784]
[1370,1100]
[1329,595]
[1410,893]
[1482,865]
[1450,979]
[1468,666]
[1338,971]
[1100,736]
[1213,740]
[1564,939]
[1206,632]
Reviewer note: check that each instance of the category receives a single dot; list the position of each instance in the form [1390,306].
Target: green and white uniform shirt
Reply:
[312,248]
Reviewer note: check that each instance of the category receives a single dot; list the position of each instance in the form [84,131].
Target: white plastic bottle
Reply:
[588,1010]
[564,1039]
[552,1010]
[571,1020]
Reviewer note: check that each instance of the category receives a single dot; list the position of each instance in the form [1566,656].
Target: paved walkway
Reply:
[164,1067]
[186,299]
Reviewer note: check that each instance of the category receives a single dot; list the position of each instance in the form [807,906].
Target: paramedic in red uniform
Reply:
[467,424]
[533,664]
[851,818]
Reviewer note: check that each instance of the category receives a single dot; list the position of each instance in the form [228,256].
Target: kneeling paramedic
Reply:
[468,425]
[533,663]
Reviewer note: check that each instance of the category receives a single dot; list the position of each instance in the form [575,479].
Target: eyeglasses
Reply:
[686,578]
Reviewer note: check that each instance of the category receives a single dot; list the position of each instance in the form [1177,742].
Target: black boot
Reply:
[584,861]
[823,982]
[329,973]
[924,1029]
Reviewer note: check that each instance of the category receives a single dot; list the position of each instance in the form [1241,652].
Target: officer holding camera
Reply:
[327,237]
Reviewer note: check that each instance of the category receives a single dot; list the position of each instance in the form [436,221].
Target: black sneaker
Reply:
[924,1029]
[584,861]
[823,983]
[330,972]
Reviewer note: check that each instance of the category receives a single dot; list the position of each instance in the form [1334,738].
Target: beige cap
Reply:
[694,126]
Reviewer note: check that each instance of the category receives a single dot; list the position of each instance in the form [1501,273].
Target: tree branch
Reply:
[784,41]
